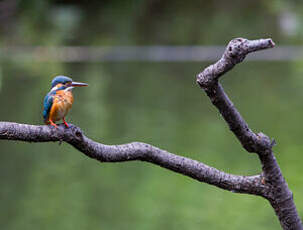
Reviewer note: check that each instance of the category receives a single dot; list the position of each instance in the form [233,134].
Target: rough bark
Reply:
[270,184]
[133,151]
[278,194]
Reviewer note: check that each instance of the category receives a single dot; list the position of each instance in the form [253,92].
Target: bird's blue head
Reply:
[61,79]
[62,82]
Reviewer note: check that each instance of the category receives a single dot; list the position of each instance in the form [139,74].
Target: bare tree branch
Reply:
[279,195]
[270,184]
[235,53]
[133,151]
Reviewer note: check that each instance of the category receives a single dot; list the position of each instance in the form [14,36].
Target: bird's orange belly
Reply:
[60,108]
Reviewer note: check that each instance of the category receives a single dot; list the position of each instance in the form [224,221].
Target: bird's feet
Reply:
[53,124]
[67,126]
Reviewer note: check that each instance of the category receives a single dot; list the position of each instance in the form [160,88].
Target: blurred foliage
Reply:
[51,186]
[134,22]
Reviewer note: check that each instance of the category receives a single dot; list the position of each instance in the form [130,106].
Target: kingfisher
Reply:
[59,100]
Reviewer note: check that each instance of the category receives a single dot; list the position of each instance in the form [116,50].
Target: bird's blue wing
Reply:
[47,103]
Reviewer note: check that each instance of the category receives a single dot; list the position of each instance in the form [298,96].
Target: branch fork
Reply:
[270,184]
[277,192]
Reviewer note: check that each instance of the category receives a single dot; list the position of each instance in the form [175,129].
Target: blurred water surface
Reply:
[52,186]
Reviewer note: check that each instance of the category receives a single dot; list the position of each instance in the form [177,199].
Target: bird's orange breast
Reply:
[62,103]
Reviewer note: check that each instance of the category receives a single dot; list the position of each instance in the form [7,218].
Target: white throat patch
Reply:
[54,88]
[69,88]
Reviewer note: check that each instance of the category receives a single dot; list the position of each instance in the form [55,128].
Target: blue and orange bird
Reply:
[59,100]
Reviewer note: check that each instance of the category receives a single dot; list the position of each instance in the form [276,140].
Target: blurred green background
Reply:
[52,186]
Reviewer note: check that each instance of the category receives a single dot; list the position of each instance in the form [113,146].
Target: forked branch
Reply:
[279,195]
[270,184]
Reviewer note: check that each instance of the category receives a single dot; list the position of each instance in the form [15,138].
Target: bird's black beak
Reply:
[78,84]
